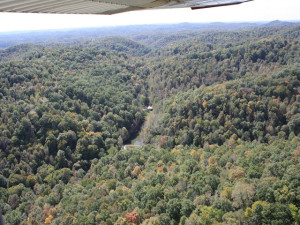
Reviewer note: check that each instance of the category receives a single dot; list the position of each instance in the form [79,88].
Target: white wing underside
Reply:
[104,6]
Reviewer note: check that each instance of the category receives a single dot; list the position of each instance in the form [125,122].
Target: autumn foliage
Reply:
[221,145]
[132,217]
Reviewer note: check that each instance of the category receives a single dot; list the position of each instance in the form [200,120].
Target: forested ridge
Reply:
[222,146]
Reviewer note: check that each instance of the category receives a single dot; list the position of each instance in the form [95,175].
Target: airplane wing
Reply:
[105,6]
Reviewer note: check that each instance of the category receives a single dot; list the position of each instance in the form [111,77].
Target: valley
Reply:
[220,146]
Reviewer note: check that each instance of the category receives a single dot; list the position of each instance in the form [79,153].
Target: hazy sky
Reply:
[258,10]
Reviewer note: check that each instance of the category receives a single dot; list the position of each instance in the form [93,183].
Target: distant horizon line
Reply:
[138,25]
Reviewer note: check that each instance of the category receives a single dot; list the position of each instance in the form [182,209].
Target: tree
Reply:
[24,131]
[295,213]
[242,194]
[174,208]
[151,221]
[14,217]
[187,207]
[164,219]
[256,217]
[3,181]
[193,220]
[237,173]
[276,213]
[210,215]
[132,217]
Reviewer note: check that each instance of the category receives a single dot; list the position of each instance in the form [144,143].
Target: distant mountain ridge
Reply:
[279,23]
[71,36]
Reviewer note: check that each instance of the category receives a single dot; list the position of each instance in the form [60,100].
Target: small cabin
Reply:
[150,108]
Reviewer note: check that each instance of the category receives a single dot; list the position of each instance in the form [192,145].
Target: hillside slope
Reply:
[222,141]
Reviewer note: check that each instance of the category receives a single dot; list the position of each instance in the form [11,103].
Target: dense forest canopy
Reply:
[222,145]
